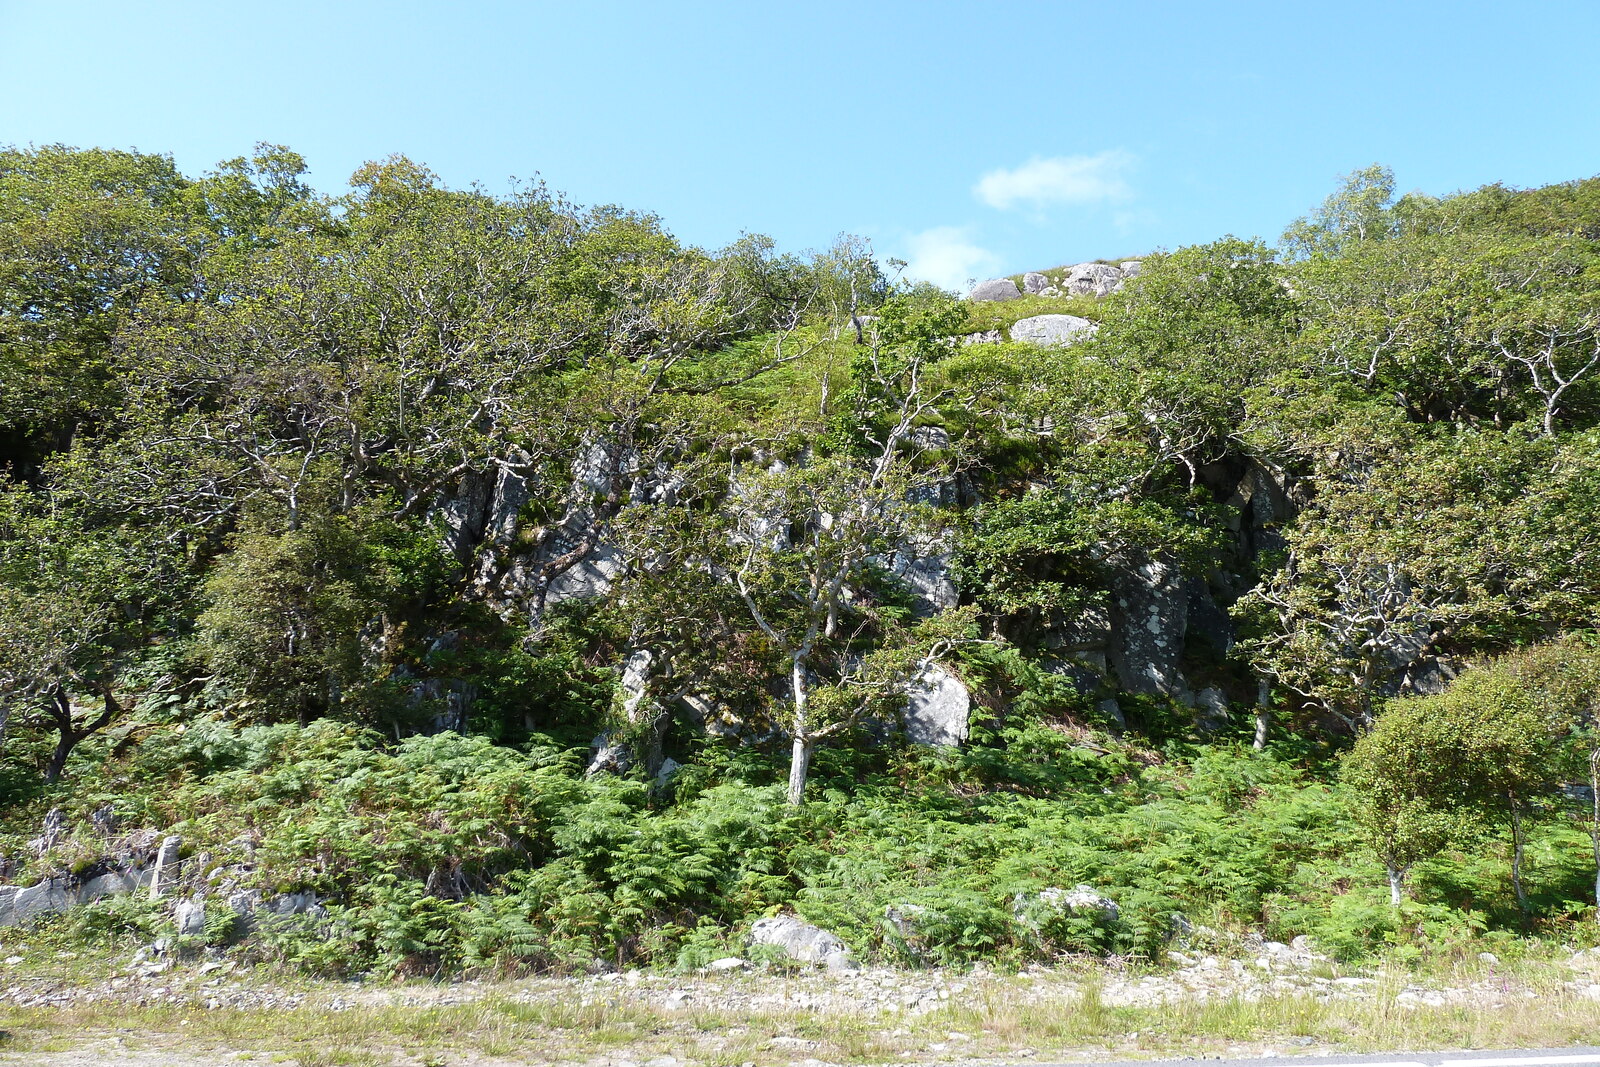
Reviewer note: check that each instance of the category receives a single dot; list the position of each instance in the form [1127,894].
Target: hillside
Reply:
[419,582]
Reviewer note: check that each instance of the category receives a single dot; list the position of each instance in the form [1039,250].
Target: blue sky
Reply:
[970,138]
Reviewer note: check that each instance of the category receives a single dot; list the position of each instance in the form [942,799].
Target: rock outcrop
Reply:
[1149,617]
[1093,279]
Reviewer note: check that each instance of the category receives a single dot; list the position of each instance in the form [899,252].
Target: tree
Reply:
[1433,768]
[85,236]
[1359,210]
[1419,553]
[801,541]
[81,608]
[1562,678]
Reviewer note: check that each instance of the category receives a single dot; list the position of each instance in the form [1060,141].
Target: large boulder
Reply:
[1097,279]
[1131,267]
[1052,330]
[1034,282]
[802,942]
[938,709]
[994,289]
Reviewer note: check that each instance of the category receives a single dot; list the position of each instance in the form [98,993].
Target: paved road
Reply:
[1555,1057]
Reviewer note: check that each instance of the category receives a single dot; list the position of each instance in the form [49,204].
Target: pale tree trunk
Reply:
[1518,845]
[800,754]
[1594,822]
[1396,884]
[799,767]
[1263,716]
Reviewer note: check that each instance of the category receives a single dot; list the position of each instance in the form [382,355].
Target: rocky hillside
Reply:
[463,581]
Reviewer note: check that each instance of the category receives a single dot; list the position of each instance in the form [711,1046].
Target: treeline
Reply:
[420,459]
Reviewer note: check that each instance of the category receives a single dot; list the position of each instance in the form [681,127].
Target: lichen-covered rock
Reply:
[1053,330]
[802,942]
[938,709]
[1149,616]
[1034,282]
[995,289]
[1030,908]
[1131,267]
[983,337]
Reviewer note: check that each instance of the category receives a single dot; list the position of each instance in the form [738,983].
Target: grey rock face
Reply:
[1211,709]
[55,823]
[590,577]
[929,579]
[1149,614]
[19,906]
[983,337]
[668,771]
[302,903]
[189,916]
[635,680]
[802,942]
[164,875]
[1051,330]
[108,885]
[937,710]
[1034,282]
[609,757]
[1131,267]
[1098,279]
[994,289]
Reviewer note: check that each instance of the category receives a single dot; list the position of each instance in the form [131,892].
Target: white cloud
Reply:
[946,256]
[1059,180]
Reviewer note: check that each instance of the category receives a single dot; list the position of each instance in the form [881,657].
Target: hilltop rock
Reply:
[1034,282]
[995,289]
[1131,267]
[1099,279]
[1052,330]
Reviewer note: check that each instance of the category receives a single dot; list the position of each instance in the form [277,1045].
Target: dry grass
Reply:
[996,1020]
